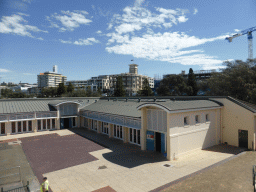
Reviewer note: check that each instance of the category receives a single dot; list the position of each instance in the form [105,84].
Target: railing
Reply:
[18,116]
[46,114]
[4,117]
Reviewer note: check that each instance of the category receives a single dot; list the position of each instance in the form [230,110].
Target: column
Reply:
[89,124]
[110,130]
[99,123]
[8,128]
[168,139]
[34,125]
[57,123]
[125,134]
[143,131]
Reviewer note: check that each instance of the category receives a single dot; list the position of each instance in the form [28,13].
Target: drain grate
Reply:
[102,167]
[168,165]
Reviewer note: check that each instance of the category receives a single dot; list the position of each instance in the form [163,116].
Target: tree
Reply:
[61,89]
[146,90]
[70,88]
[119,88]
[6,93]
[192,83]
[99,93]
[173,85]
[237,79]
[88,91]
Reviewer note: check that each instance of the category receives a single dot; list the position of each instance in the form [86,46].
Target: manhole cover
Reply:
[102,167]
[168,165]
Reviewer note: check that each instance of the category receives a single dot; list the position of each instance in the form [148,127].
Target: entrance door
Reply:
[61,123]
[66,123]
[158,142]
[243,138]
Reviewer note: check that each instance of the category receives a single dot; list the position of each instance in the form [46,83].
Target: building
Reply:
[173,126]
[132,81]
[50,79]
[24,88]
[200,75]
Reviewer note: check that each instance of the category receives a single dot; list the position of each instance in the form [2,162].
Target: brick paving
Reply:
[48,153]
[105,189]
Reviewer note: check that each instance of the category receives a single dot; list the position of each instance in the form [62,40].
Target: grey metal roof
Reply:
[124,108]
[36,105]
[178,105]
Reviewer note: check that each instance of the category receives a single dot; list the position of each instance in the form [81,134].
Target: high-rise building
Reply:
[50,79]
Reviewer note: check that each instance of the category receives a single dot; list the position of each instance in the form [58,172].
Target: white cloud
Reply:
[99,32]
[67,42]
[15,24]
[88,41]
[170,47]
[69,20]
[237,30]
[195,11]
[182,19]
[126,28]
[40,38]
[27,1]
[4,70]
[138,3]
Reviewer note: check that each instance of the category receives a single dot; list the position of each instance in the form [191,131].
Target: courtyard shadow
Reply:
[223,148]
[123,154]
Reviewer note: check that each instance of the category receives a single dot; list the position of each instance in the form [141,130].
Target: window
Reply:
[185,120]
[197,119]
[44,123]
[86,122]
[13,127]
[118,131]
[2,128]
[24,126]
[94,125]
[19,126]
[207,117]
[38,124]
[134,136]
[104,128]
[53,123]
[29,125]
[48,124]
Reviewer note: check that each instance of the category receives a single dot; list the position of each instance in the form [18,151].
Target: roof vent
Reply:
[126,99]
[95,101]
[154,99]
[108,99]
[139,100]
[88,101]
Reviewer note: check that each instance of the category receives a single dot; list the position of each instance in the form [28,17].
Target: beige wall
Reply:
[143,131]
[235,117]
[186,138]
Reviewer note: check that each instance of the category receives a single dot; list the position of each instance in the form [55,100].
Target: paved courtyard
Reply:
[82,160]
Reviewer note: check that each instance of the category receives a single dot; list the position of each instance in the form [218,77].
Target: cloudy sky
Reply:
[91,38]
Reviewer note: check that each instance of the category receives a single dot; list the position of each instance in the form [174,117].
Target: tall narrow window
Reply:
[53,123]
[19,126]
[138,136]
[2,128]
[207,117]
[134,135]
[38,124]
[24,126]
[130,135]
[114,130]
[197,119]
[44,123]
[13,127]
[74,121]
[185,120]
[29,125]
[121,132]
[48,123]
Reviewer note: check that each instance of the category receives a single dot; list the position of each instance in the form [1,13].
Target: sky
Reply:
[86,38]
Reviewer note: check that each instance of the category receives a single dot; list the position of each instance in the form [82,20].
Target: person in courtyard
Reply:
[45,185]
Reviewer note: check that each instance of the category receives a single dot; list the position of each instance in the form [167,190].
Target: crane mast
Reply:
[249,37]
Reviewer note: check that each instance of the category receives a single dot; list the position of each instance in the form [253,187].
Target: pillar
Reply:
[143,131]
[8,128]
[89,124]
[34,125]
[110,130]
[168,139]
[57,123]
[125,134]
[78,122]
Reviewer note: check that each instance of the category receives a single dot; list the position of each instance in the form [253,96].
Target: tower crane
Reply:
[249,36]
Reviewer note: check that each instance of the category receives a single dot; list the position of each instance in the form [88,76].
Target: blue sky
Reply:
[91,38]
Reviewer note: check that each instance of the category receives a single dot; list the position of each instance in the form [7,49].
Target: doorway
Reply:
[158,142]
[243,138]
[66,123]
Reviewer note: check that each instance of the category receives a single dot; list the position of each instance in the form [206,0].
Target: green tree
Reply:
[99,92]
[237,79]
[70,88]
[192,83]
[146,90]
[173,85]
[119,88]
[61,89]
[88,91]
[6,93]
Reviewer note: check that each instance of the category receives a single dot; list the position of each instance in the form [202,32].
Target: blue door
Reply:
[61,123]
[70,122]
[150,140]
[163,146]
